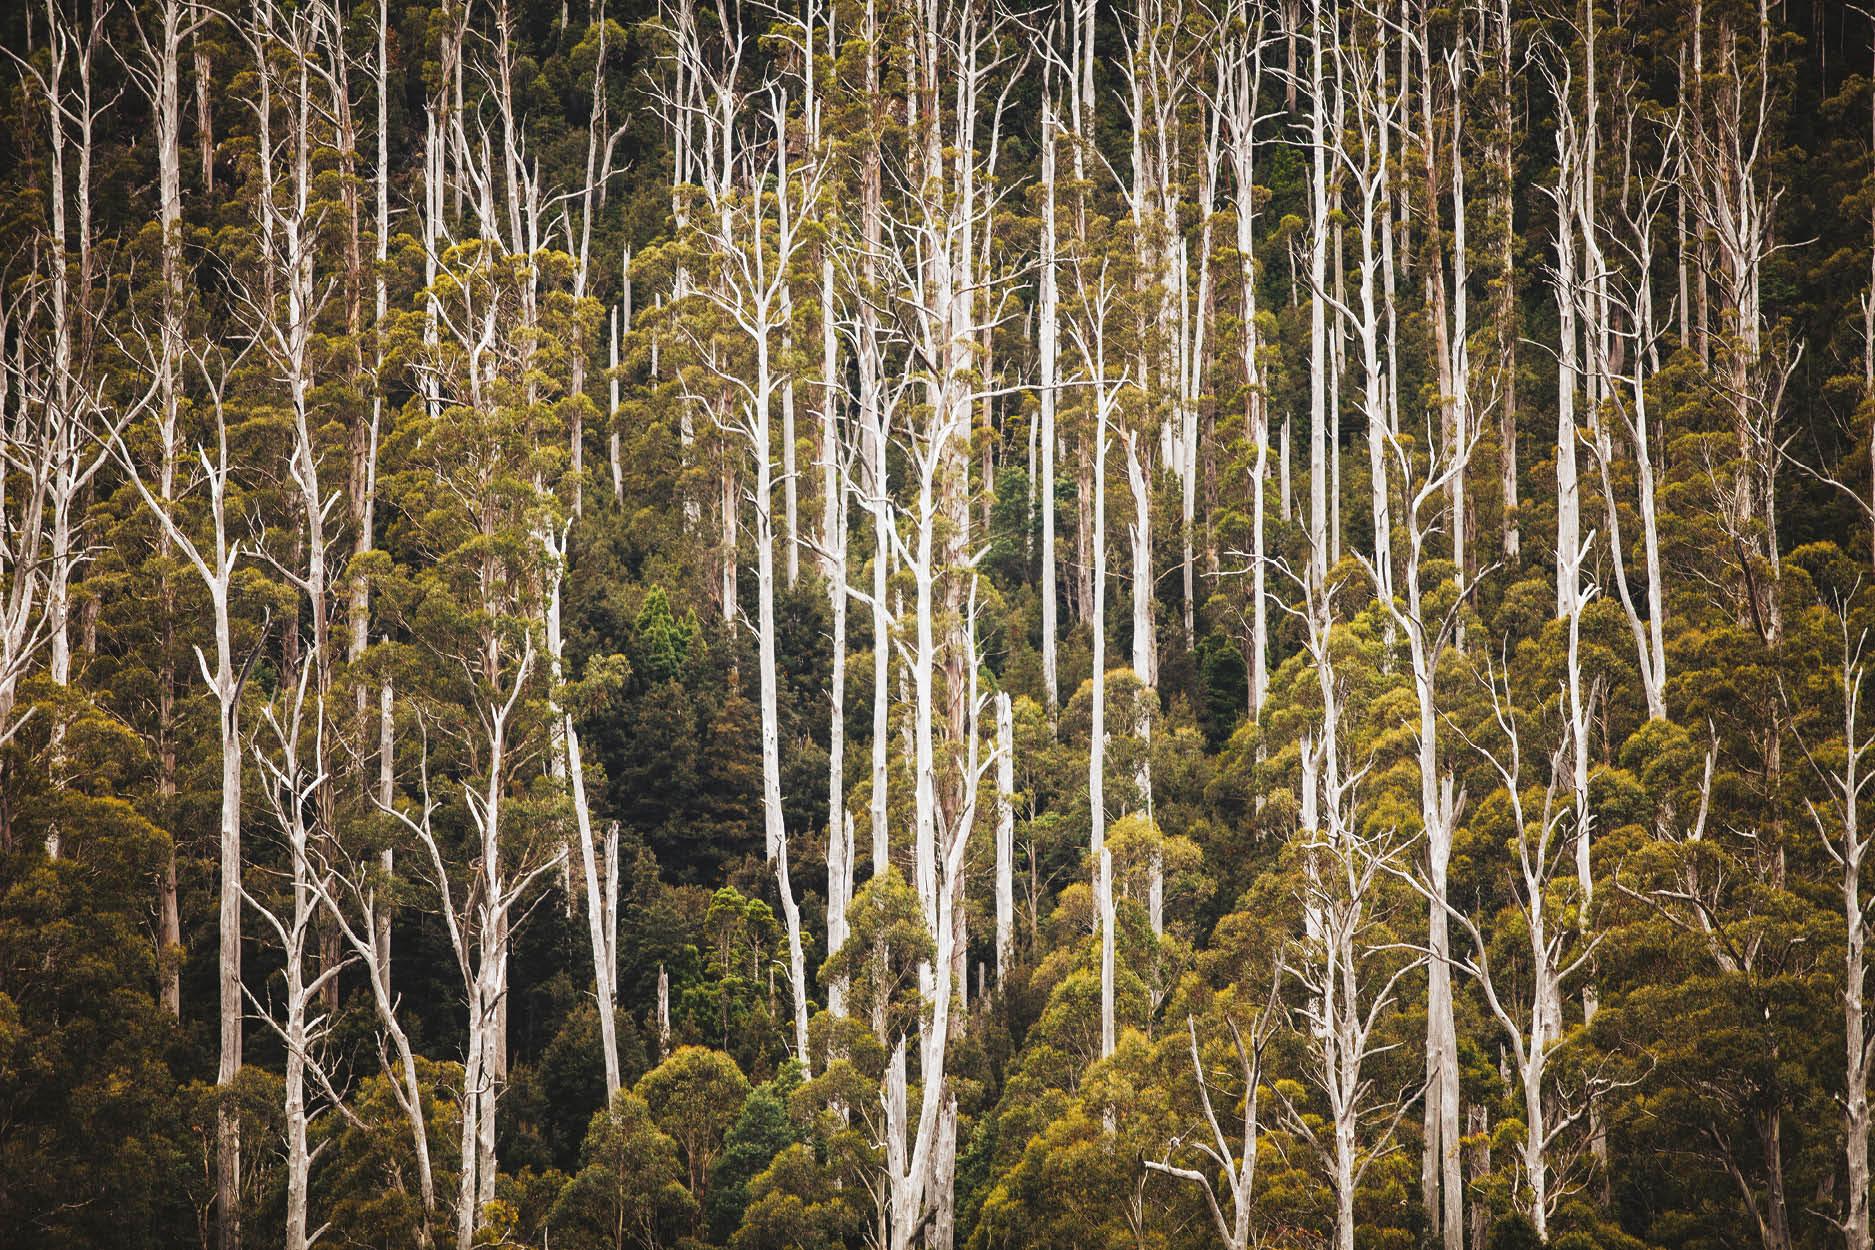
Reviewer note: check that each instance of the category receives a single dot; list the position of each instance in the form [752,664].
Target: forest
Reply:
[936,624]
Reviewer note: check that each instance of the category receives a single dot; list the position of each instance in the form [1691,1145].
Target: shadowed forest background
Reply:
[936,623]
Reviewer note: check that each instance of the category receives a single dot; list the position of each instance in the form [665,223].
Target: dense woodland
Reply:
[958,624]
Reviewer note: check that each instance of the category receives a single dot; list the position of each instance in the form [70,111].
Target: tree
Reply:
[1234,1156]
[628,1191]
[1838,823]
[694,1097]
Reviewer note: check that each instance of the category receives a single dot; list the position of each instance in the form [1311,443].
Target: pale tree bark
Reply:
[160,73]
[877,433]
[1089,327]
[790,480]
[1845,775]
[1005,836]
[590,196]
[928,282]
[1735,203]
[1103,894]
[65,382]
[27,443]
[1427,639]
[833,458]
[1637,309]
[215,562]
[1240,81]
[365,480]
[291,789]
[568,757]
[920,1150]
[876,426]
[296,62]
[1564,193]
[1348,972]
[1319,230]
[1578,698]
[350,897]
[1552,1150]
[1232,1156]
[1504,316]
[1460,435]
[1145,661]
[621,326]
[1364,157]
[1047,332]
[749,291]
[1195,322]
[596,912]
[478,926]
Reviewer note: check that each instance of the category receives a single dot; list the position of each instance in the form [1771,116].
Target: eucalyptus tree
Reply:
[1091,326]
[1626,392]
[1428,636]
[291,785]
[753,233]
[1233,1155]
[1346,966]
[1843,770]
[1558,947]
[1244,37]
[214,550]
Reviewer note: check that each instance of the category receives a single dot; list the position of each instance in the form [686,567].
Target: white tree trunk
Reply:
[596,912]
[1104,898]
[774,831]
[216,566]
[833,546]
[1568,495]
[1241,74]
[1319,227]
[1047,334]
[1005,836]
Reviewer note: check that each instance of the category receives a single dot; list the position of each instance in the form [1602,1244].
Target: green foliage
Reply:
[694,1097]
[516,525]
[628,1193]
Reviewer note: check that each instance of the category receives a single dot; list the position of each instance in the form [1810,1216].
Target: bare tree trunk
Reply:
[1104,897]
[216,566]
[833,547]
[1236,1160]
[1241,74]
[1839,825]
[1005,836]
[1568,498]
[775,833]
[1047,332]
[602,969]
[163,57]
[1318,297]
[873,419]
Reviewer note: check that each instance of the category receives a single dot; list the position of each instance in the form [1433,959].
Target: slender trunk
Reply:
[1097,737]
[1505,316]
[1568,499]
[775,833]
[602,971]
[166,74]
[1048,332]
[1005,836]
[1242,76]
[833,544]
[873,419]
[228,1124]
[1856,1232]
[1318,295]
[1104,895]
